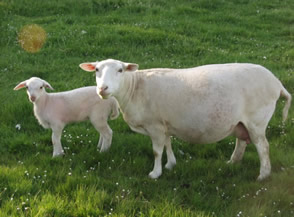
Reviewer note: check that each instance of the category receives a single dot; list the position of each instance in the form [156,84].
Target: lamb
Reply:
[200,105]
[55,110]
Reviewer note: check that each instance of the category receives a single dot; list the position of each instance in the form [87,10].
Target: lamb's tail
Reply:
[288,97]
[114,109]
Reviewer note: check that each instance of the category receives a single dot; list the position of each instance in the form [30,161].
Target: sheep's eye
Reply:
[27,87]
[120,70]
[41,87]
[97,70]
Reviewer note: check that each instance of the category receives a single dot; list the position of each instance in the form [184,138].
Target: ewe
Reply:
[199,105]
[55,110]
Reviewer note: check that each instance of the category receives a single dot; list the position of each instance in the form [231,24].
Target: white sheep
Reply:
[55,110]
[199,105]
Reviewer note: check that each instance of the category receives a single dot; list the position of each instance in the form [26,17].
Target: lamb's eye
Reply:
[27,87]
[120,70]
[97,70]
[41,87]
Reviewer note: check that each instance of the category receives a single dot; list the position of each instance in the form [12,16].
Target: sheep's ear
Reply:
[131,66]
[47,85]
[89,67]
[20,85]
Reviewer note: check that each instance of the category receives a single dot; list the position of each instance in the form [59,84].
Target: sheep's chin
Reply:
[104,97]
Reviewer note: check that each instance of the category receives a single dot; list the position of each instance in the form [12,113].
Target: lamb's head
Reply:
[35,88]
[109,75]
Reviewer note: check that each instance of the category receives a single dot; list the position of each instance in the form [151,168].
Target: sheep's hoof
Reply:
[262,177]
[170,165]
[154,175]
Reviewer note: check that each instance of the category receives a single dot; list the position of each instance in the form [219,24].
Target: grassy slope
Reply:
[152,33]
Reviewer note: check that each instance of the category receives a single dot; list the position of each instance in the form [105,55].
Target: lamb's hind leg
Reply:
[56,141]
[99,121]
[105,135]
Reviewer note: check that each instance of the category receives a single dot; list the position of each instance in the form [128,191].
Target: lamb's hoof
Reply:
[230,162]
[60,154]
[154,175]
[104,149]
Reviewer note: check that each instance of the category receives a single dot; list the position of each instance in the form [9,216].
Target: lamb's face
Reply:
[35,88]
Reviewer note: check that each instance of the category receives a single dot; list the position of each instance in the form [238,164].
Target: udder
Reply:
[241,132]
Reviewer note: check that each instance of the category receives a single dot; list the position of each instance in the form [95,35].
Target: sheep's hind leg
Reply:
[171,159]
[238,152]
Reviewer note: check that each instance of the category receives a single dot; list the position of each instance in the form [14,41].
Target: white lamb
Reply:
[55,110]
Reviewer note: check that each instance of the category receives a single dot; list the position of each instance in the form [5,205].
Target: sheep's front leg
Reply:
[56,141]
[158,141]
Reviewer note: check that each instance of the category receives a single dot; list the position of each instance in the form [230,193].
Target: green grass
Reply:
[151,33]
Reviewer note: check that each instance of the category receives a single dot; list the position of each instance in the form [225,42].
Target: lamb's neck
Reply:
[41,103]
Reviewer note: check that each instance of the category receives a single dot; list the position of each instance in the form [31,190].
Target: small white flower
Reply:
[18,126]
[83,32]
[69,174]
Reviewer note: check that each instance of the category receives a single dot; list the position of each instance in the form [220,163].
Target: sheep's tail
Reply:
[114,109]
[288,97]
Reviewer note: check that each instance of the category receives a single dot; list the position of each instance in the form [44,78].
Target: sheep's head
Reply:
[109,75]
[35,88]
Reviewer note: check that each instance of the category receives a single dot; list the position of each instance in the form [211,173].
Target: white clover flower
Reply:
[18,126]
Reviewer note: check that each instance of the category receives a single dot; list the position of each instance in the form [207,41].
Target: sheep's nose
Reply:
[102,90]
[33,98]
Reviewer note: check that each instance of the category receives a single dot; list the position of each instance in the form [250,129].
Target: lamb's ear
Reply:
[47,85]
[20,85]
[89,67]
[131,66]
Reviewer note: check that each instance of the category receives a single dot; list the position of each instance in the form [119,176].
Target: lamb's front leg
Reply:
[56,141]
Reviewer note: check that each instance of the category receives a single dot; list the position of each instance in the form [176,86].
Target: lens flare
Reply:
[32,38]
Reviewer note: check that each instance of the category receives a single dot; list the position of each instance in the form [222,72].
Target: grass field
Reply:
[151,33]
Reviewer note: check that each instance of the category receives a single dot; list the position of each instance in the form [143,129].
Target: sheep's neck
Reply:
[125,94]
